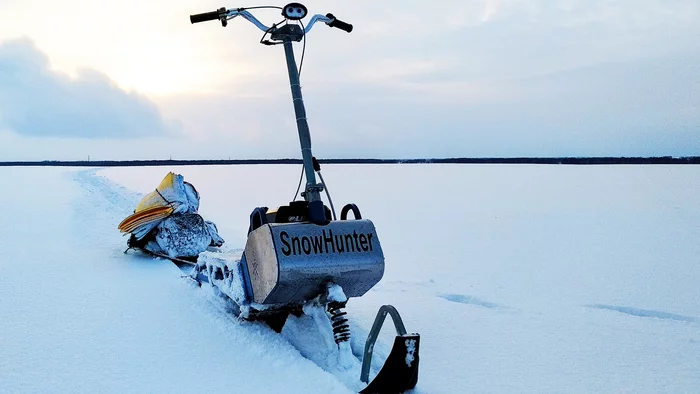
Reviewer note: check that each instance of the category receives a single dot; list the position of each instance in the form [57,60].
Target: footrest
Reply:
[400,371]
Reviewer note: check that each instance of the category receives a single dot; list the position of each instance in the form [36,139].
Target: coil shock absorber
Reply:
[341,328]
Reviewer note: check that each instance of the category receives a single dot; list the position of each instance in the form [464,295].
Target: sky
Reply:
[469,78]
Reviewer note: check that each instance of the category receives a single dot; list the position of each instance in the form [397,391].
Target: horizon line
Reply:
[578,160]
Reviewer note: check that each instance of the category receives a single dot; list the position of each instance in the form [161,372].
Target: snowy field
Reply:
[519,278]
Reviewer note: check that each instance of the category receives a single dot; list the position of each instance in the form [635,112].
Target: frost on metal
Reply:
[410,349]
[224,271]
[335,293]
[184,235]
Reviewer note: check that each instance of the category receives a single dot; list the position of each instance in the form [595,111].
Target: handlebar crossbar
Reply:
[230,14]
[314,19]
[225,15]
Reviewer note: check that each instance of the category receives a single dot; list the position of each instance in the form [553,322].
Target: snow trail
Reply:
[80,316]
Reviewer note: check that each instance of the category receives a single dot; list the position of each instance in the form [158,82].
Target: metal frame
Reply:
[374,333]
[230,14]
[313,189]
[317,18]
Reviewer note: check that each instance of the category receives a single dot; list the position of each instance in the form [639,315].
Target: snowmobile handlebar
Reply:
[286,33]
[337,23]
[224,15]
[207,16]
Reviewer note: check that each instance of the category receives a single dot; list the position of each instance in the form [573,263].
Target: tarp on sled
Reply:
[172,196]
[166,221]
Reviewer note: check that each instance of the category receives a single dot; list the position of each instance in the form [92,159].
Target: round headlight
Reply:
[294,11]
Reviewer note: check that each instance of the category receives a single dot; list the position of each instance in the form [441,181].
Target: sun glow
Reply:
[161,55]
[158,67]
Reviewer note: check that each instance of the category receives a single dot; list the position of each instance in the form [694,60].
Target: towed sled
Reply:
[300,259]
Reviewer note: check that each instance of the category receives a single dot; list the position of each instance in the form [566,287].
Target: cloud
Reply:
[467,78]
[38,101]
[490,8]
[643,107]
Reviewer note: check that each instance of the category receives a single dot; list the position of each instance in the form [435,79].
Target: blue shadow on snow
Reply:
[644,312]
[469,300]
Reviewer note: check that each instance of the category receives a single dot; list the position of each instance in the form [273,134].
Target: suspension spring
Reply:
[341,328]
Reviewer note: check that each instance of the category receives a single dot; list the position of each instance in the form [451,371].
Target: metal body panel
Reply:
[293,262]
[260,250]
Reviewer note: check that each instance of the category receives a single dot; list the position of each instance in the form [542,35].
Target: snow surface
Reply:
[519,278]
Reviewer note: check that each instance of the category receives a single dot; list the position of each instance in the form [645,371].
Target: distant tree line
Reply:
[456,160]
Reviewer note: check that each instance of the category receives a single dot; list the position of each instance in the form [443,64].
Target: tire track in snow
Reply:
[103,204]
[428,287]
[647,313]
[468,300]
[105,193]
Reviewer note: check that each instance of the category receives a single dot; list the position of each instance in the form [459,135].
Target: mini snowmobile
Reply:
[299,258]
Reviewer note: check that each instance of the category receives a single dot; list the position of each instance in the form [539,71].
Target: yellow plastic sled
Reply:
[169,197]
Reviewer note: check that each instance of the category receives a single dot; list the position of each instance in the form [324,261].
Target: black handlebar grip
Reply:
[339,24]
[207,16]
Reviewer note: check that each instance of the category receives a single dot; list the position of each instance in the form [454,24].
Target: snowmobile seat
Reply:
[296,211]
